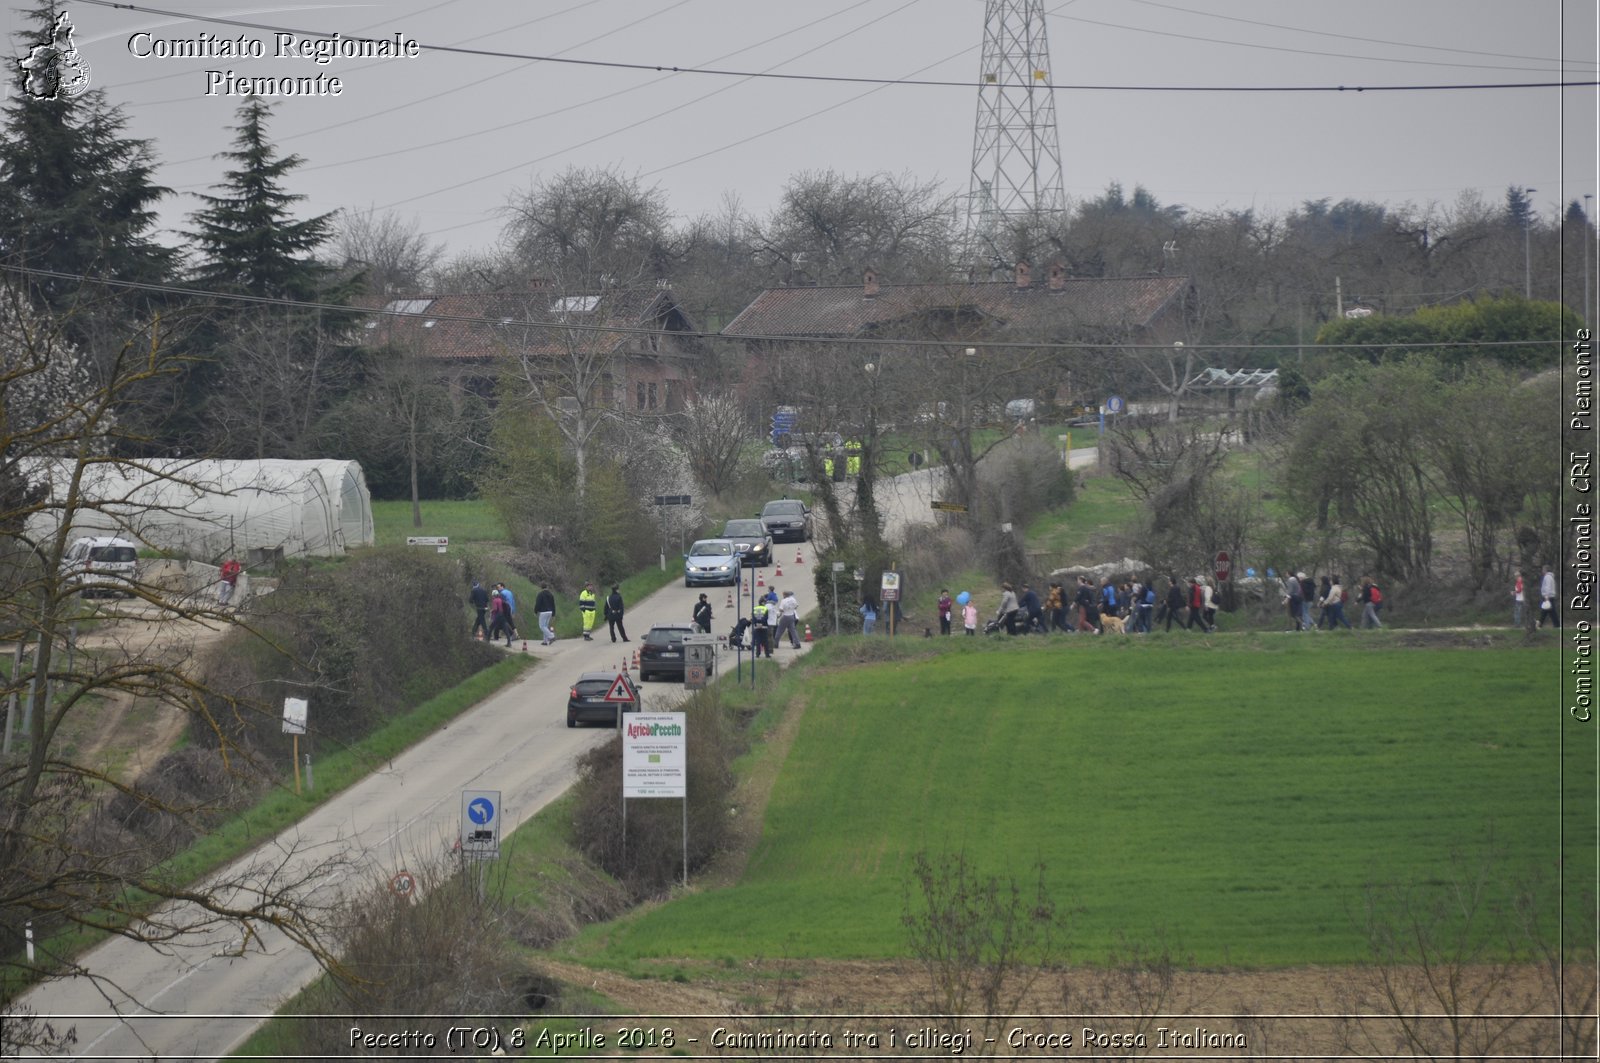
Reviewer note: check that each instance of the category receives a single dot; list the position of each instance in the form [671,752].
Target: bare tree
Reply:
[592,223]
[391,256]
[830,227]
[714,432]
[59,875]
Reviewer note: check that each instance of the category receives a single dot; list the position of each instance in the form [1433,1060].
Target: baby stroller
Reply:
[736,636]
[994,627]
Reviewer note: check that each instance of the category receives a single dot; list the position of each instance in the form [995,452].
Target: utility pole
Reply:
[1527,246]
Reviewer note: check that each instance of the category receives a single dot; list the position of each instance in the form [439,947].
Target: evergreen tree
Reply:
[247,239]
[76,195]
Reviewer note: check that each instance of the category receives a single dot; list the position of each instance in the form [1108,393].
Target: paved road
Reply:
[198,1002]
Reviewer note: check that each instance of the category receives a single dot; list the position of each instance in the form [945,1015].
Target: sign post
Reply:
[838,567]
[889,594]
[1223,567]
[668,500]
[655,763]
[294,723]
[439,542]
[480,823]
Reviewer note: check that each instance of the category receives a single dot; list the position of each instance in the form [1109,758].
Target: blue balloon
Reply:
[963,598]
[1250,573]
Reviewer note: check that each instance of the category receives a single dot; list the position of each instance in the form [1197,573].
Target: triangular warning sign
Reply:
[619,690]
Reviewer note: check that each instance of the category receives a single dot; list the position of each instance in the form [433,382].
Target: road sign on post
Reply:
[439,542]
[1223,567]
[480,823]
[949,507]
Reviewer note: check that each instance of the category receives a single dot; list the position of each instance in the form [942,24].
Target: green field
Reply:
[1238,798]
[463,520]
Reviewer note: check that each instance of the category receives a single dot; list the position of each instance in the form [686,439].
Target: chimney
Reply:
[869,284]
[1024,275]
[1058,276]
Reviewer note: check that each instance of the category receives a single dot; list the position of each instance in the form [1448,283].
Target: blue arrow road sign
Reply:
[481,811]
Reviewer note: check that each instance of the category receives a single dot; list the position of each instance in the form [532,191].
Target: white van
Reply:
[101,564]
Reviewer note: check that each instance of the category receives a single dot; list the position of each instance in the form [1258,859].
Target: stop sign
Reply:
[1222,568]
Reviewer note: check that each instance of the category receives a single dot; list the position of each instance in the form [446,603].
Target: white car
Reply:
[102,564]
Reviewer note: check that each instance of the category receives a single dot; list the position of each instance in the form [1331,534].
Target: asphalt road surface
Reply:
[907,500]
[199,1000]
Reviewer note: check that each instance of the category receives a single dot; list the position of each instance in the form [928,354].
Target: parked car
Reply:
[1021,410]
[101,564]
[711,561]
[787,519]
[661,652]
[750,538]
[586,703]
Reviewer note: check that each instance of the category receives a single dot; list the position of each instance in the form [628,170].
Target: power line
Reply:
[485,53]
[624,330]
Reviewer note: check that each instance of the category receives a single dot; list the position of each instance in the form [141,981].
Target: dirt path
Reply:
[126,735]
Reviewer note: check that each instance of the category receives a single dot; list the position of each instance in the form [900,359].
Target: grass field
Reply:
[1237,797]
[464,520]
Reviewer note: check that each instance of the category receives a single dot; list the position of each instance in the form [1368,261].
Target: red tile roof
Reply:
[1079,306]
[487,325]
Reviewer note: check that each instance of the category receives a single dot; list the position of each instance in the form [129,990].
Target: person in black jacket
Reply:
[614,614]
[1031,611]
[1175,600]
[545,606]
[479,597]
[702,615]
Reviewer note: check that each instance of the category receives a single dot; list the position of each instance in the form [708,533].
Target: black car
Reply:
[661,653]
[787,519]
[751,539]
[587,701]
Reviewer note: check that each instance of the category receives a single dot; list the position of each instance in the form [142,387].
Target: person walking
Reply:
[702,615]
[614,612]
[1147,607]
[1174,601]
[511,609]
[946,605]
[969,616]
[1056,603]
[789,620]
[1197,605]
[498,622]
[1208,603]
[1308,597]
[544,605]
[479,597]
[1294,598]
[1333,605]
[1518,596]
[869,616]
[1547,599]
[1323,617]
[588,605]
[228,580]
[1371,603]
[1007,613]
[1030,614]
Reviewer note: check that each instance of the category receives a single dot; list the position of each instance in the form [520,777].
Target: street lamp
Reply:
[1527,247]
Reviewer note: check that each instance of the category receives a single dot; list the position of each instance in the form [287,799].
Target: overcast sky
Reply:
[447,138]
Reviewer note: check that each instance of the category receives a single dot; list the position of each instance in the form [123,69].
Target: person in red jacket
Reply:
[230,579]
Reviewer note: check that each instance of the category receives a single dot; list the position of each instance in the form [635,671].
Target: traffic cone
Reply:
[777,569]
[524,645]
[798,559]
[808,633]
[760,582]
[730,600]
[636,660]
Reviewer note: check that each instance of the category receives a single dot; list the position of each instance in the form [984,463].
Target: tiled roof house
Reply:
[470,334]
[1091,310]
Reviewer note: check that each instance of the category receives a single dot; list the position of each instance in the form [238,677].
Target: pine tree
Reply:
[246,236]
[76,195]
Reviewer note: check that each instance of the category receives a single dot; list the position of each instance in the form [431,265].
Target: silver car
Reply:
[711,561]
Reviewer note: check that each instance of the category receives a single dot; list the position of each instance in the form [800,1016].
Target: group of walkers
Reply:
[1301,594]
[771,618]
[496,610]
[1129,607]
[1549,607]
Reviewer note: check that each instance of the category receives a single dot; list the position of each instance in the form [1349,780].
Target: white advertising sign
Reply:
[294,716]
[655,761]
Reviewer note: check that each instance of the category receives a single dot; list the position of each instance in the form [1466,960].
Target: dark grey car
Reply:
[750,538]
[788,520]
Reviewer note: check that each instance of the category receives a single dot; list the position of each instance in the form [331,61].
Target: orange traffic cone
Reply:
[636,660]
[524,645]
[760,582]
[730,600]
[798,559]
[777,569]
[808,633]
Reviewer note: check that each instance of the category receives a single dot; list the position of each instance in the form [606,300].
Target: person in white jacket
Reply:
[1208,603]
[1334,604]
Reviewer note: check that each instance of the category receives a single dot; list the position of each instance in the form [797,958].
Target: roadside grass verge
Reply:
[1103,505]
[334,772]
[1238,795]
[472,520]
